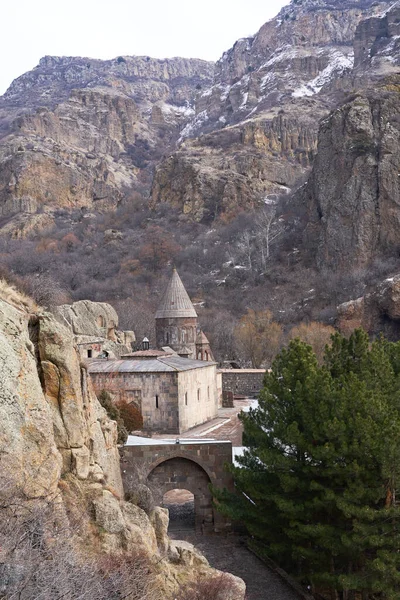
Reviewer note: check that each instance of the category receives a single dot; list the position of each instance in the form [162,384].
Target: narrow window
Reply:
[198,395]
[156,400]
[89,353]
[206,355]
[208,392]
[186,398]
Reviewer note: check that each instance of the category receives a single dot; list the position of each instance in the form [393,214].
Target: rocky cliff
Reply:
[353,192]
[82,134]
[138,157]
[255,130]
[59,458]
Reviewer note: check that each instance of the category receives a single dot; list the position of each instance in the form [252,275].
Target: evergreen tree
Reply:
[316,486]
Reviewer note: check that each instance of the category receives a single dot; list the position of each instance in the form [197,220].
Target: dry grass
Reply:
[16,298]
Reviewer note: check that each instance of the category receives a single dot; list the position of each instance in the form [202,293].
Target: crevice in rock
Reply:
[34,330]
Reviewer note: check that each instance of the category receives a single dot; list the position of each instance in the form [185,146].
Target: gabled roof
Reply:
[170,364]
[175,301]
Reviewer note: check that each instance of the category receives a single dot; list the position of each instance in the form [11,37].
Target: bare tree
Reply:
[269,227]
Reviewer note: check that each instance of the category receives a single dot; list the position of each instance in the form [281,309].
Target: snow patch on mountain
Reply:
[193,126]
[339,63]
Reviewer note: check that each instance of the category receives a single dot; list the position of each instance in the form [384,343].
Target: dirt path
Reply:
[229,554]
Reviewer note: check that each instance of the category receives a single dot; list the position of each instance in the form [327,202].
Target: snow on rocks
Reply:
[339,62]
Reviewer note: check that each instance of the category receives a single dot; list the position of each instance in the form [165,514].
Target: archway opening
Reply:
[180,504]
[181,473]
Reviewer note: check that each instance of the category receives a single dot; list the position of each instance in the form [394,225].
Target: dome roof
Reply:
[175,301]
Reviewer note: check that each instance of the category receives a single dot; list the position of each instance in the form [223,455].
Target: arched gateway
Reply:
[183,473]
[180,464]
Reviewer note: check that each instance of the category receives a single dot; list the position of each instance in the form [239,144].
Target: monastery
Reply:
[175,386]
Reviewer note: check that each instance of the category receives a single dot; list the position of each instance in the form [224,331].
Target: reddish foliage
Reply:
[131,415]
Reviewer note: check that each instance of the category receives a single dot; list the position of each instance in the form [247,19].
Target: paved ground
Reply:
[229,554]
[226,553]
[224,427]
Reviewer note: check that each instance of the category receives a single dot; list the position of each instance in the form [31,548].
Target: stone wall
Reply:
[198,396]
[177,332]
[169,402]
[243,382]
[189,466]
[157,394]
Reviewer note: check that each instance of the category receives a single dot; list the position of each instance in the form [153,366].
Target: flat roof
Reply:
[135,440]
[169,364]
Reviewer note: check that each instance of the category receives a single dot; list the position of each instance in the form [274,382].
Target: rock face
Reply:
[255,130]
[376,312]
[77,133]
[353,192]
[83,134]
[95,324]
[58,449]
[51,421]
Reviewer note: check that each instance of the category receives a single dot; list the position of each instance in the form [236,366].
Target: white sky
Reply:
[109,28]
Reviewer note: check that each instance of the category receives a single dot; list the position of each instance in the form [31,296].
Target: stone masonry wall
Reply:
[198,397]
[243,382]
[188,466]
[169,402]
[176,333]
[156,392]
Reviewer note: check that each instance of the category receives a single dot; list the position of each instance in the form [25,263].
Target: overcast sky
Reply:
[108,28]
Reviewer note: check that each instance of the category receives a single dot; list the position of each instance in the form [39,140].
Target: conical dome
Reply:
[175,301]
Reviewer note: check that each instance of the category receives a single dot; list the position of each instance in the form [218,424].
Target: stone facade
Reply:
[179,333]
[242,382]
[172,399]
[188,465]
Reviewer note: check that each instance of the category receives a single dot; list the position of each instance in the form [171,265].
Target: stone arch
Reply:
[180,454]
[179,472]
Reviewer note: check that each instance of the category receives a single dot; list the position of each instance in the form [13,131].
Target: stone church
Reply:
[176,323]
[176,385]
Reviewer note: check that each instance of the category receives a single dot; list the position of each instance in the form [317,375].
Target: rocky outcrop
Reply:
[257,126]
[78,133]
[376,312]
[95,325]
[58,451]
[51,421]
[353,192]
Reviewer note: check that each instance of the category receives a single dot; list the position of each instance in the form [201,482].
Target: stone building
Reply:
[173,393]
[176,323]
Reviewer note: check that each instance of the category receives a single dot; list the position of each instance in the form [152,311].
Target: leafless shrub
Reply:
[42,557]
[220,587]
